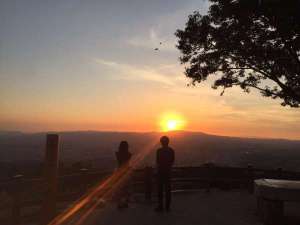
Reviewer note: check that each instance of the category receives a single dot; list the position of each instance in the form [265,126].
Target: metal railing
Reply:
[28,192]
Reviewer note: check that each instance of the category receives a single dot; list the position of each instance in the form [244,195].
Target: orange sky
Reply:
[75,67]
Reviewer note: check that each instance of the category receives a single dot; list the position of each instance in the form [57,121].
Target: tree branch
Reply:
[260,89]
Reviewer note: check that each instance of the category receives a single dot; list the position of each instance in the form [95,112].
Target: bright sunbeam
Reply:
[171,122]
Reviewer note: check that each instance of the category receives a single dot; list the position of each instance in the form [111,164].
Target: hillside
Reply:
[192,148]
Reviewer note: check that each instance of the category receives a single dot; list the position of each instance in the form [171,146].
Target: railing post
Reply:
[279,172]
[148,182]
[83,180]
[210,176]
[250,178]
[50,176]
[16,196]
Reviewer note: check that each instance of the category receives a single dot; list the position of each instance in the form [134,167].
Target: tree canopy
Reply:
[245,43]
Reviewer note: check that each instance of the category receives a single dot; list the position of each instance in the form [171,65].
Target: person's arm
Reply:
[118,158]
[129,157]
[157,157]
[173,157]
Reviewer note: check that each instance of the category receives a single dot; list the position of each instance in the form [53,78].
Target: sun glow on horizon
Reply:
[172,122]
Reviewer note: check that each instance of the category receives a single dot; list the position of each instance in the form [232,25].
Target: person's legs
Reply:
[160,189]
[123,197]
[168,192]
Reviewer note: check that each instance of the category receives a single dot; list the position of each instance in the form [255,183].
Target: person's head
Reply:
[123,147]
[164,140]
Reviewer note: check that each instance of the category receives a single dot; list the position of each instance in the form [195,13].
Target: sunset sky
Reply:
[91,65]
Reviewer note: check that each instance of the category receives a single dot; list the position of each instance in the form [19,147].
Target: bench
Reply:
[271,195]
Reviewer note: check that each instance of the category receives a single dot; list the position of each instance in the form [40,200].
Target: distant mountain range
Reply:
[192,148]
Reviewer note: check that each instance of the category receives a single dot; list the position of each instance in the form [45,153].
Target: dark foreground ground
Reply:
[234,207]
[192,208]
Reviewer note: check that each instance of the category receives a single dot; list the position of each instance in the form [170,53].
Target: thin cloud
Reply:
[165,26]
[152,40]
[130,72]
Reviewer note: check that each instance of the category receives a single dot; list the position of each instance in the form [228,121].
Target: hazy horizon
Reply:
[143,132]
[192,149]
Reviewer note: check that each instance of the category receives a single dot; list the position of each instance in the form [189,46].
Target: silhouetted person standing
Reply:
[123,157]
[165,157]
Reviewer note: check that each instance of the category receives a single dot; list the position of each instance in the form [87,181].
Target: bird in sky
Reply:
[157,49]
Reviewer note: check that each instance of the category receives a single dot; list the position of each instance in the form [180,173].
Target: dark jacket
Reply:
[165,159]
[123,157]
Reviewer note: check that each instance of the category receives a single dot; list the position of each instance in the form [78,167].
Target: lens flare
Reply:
[81,209]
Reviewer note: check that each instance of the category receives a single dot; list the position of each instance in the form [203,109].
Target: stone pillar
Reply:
[50,178]
[17,199]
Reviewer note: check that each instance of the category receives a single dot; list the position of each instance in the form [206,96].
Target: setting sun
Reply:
[171,122]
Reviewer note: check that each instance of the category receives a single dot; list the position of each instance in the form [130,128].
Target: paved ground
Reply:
[215,208]
[189,208]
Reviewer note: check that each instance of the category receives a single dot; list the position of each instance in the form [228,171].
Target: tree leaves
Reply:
[248,43]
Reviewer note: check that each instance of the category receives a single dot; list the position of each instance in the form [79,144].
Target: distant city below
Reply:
[96,150]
